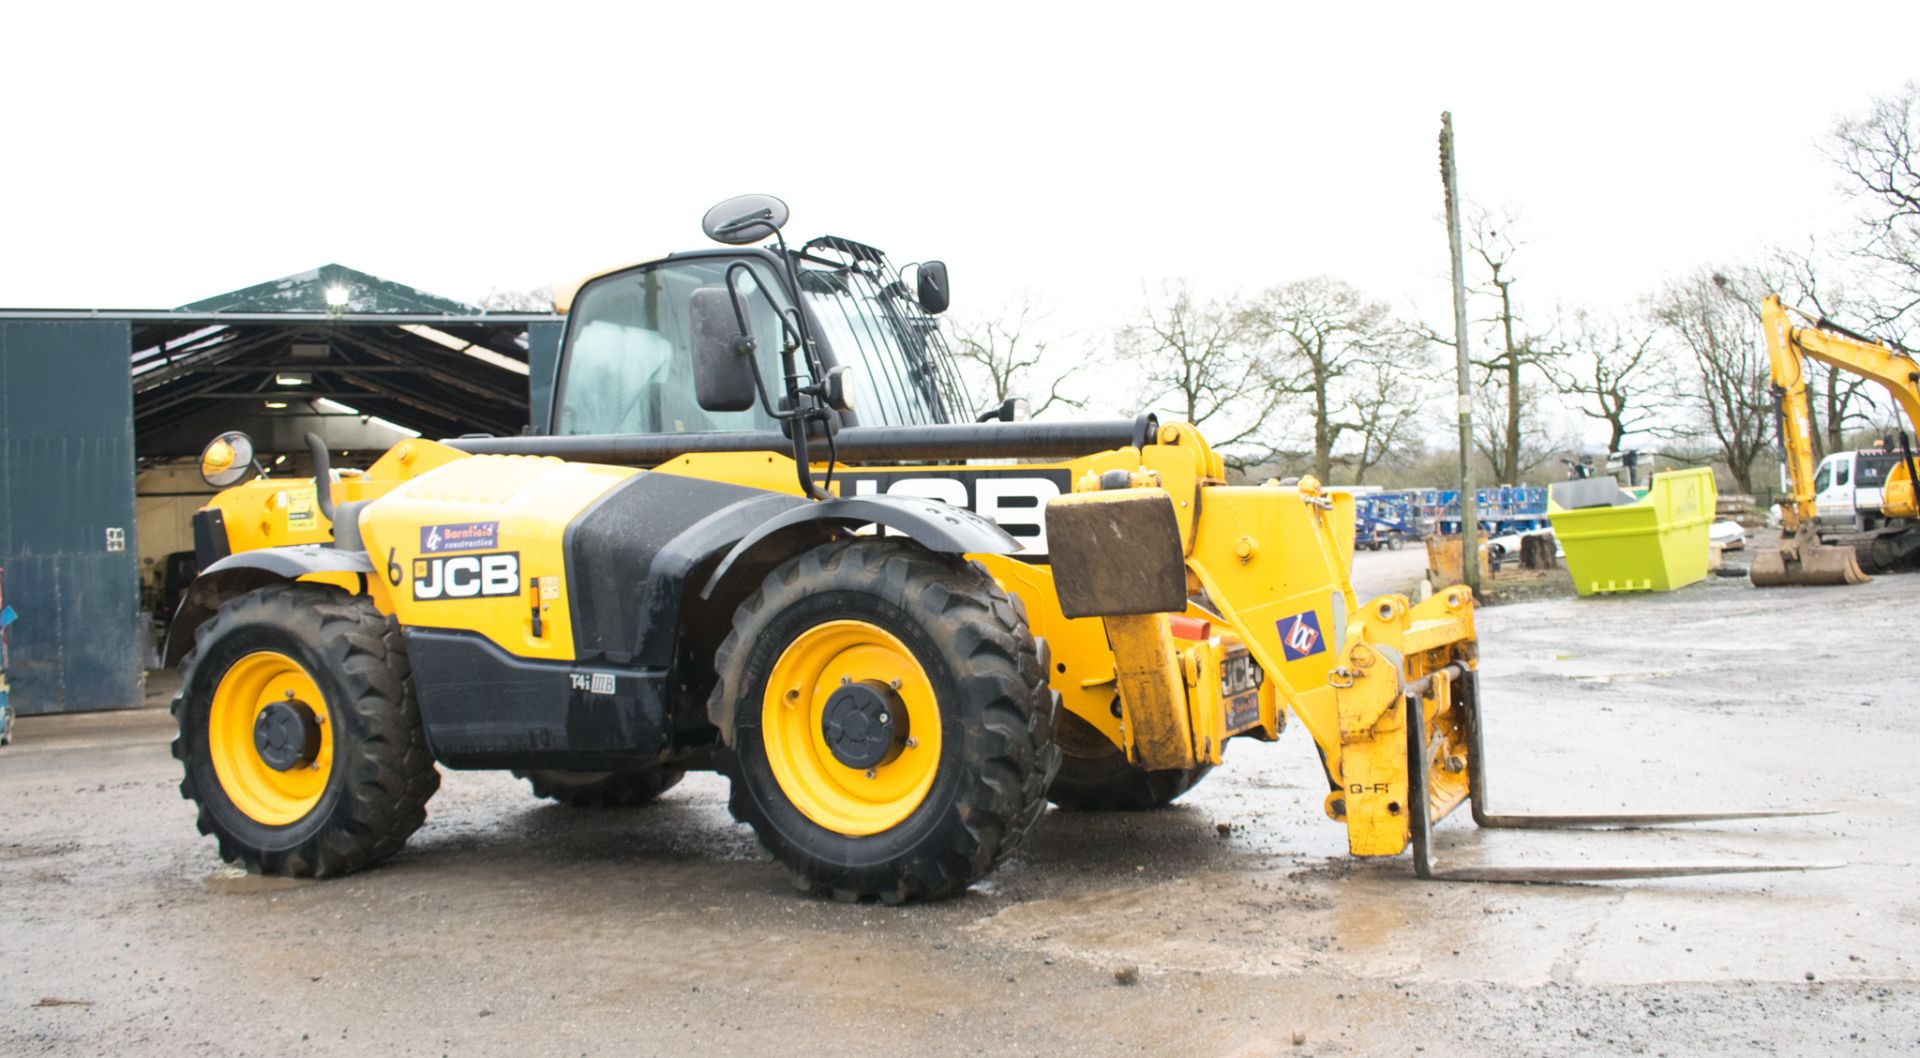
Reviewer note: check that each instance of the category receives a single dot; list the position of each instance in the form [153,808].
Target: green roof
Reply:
[307,292]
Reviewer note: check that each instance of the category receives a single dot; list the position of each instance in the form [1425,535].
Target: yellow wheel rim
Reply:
[849,800]
[267,794]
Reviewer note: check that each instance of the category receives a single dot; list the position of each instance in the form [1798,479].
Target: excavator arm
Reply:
[1801,558]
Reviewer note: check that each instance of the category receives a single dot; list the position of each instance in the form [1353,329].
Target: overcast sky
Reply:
[162,153]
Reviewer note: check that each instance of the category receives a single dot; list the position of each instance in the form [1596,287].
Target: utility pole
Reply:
[1469,509]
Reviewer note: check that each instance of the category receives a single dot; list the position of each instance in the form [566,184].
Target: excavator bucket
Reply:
[1817,564]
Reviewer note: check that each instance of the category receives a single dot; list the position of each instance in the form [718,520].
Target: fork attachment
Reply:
[1455,687]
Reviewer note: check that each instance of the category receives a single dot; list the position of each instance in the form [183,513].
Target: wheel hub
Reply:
[286,734]
[864,723]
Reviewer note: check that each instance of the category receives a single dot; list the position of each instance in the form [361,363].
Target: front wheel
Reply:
[299,733]
[887,723]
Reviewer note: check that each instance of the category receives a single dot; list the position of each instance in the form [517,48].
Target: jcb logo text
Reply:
[466,576]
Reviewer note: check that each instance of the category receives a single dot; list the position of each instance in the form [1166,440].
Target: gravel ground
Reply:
[512,926]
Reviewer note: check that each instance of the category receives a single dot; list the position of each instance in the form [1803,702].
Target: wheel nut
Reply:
[912,742]
[896,686]
[885,719]
[844,680]
[869,773]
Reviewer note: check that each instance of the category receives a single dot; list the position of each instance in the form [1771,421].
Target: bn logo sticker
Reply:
[1300,635]
[466,576]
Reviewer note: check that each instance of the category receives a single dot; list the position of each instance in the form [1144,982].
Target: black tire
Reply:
[995,708]
[1095,775]
[382,774]
[602,789]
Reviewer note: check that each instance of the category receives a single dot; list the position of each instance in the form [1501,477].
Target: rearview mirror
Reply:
[226,459]
[744,219]
[722,353]
[931,287]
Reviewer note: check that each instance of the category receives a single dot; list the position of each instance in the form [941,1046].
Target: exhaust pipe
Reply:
[322,475]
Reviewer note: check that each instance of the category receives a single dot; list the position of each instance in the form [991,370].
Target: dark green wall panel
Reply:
[66,478]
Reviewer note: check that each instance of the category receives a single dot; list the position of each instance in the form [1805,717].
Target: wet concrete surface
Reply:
[510,926]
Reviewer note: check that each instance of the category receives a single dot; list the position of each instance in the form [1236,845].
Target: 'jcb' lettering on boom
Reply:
[1015,499]
[466,576]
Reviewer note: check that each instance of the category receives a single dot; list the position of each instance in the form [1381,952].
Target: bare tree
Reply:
[1516,348]
[1513,356]
[1324,334]
[1617,373]
[1003,356]
[1880,154]
[532,299]
[1385,409]
[1197,359]
[1511,457]
[1711,315]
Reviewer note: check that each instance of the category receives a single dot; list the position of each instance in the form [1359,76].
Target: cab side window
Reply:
[1823,477]
[1842,473]
[628,364]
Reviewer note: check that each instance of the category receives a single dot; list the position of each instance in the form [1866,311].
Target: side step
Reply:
[1420,759]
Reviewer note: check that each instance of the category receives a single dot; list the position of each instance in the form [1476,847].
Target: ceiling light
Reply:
[276,404]
[279,459]
[293,378]
[337,297]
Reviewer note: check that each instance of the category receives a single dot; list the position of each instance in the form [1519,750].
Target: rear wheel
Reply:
[299,733]
[1095,775]
[603,789]
[887,721]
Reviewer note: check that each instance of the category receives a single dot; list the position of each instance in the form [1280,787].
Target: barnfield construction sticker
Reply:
[462,536]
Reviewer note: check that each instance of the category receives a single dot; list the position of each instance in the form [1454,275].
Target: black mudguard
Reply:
[934,525]
[238,574]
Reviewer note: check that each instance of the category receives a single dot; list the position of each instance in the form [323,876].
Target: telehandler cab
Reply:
[898,631]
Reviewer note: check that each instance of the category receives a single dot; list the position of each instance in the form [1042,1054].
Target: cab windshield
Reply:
[628,363]
[901,370]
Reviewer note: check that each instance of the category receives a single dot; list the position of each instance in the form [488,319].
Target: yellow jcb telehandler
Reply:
[898,630]
[1803,557]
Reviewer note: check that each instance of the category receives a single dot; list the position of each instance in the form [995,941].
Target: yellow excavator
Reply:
[1803,558]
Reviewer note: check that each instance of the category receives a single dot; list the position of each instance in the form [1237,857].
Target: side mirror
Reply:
[722,354]
[226,459]
[744,219]
[931,287]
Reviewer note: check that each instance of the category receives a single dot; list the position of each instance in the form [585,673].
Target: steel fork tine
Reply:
[1469,692]
[1425,864]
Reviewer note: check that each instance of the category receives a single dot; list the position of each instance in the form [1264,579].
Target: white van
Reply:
[1846,489]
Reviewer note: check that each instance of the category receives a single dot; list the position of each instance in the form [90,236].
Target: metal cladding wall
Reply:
[66,515]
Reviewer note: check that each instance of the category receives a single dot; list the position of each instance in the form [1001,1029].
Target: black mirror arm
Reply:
[794,339]
[788,337]
[762,218]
